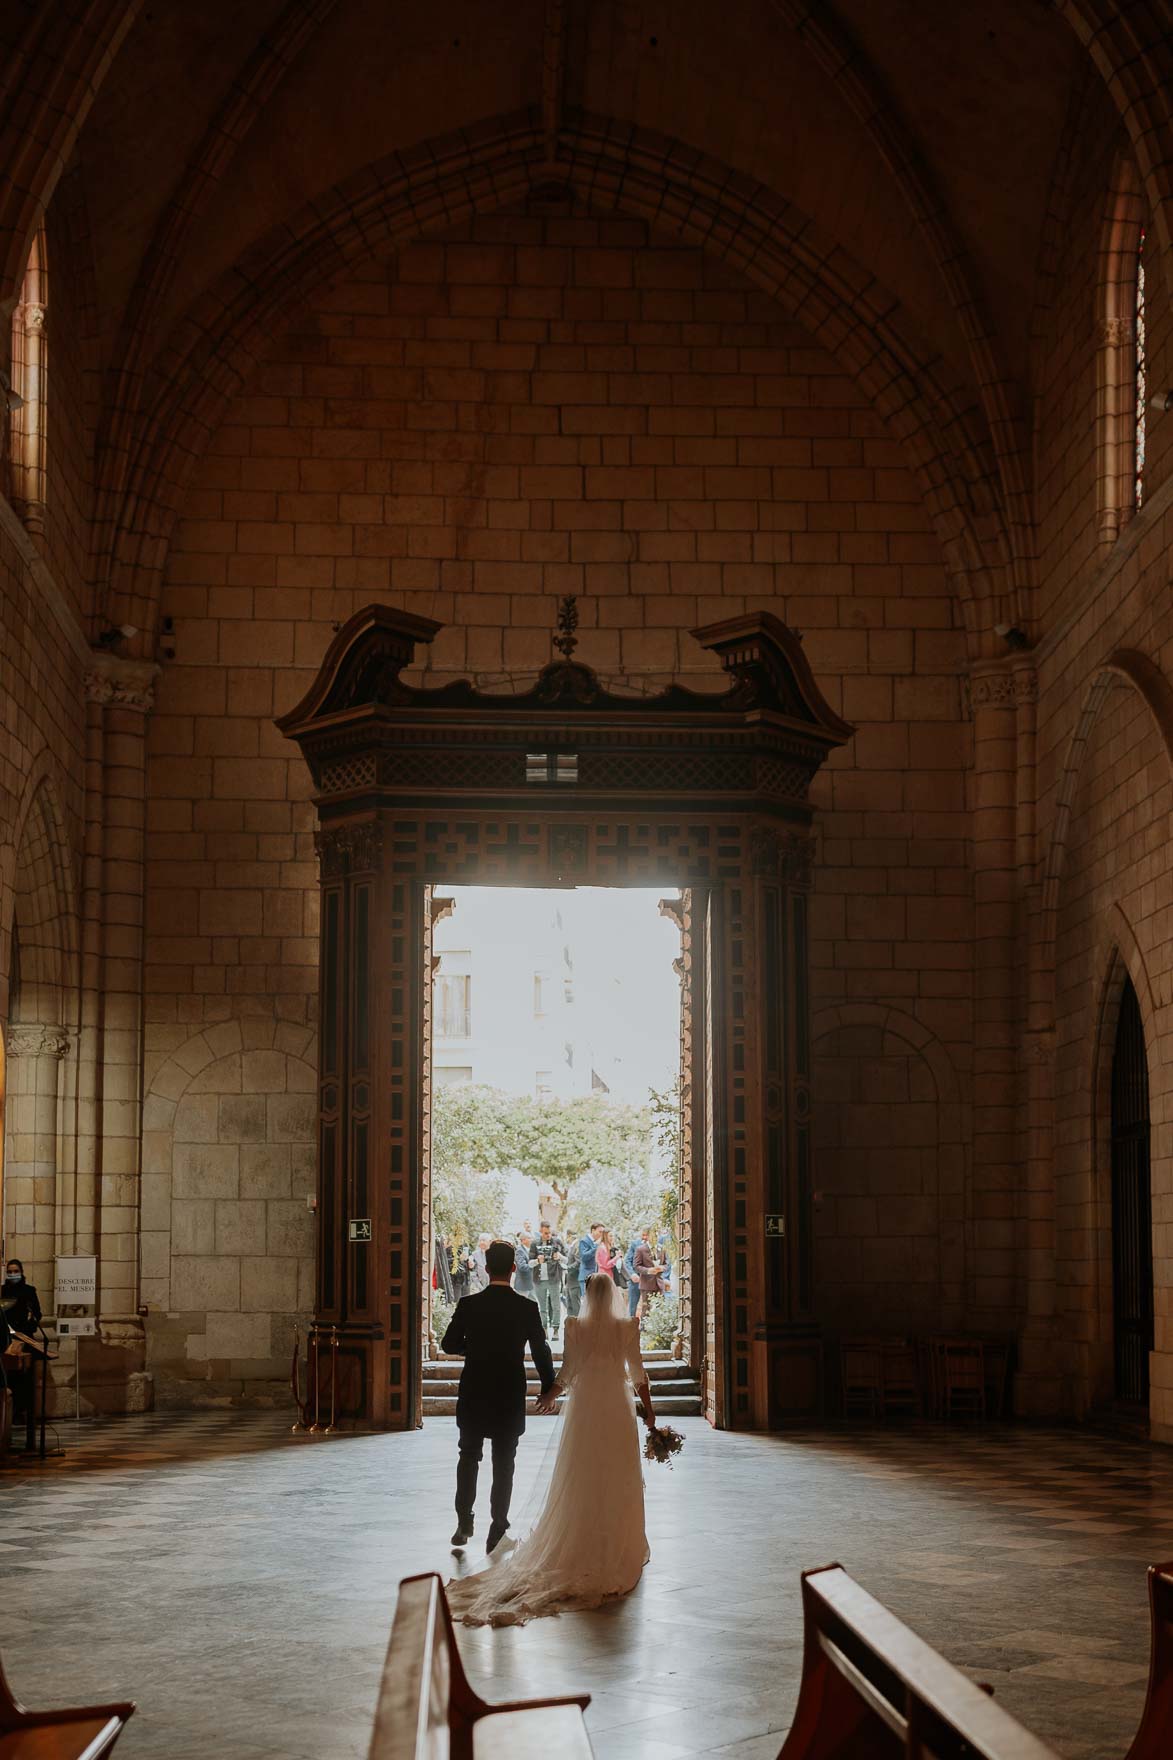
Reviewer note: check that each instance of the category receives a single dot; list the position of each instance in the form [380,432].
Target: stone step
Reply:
[674,1407]
[671,1387]
[651,1358]
[448,1367]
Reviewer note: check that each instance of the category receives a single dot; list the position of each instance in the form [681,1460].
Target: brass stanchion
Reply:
[329,1430]
[316,1426]
[294,1378]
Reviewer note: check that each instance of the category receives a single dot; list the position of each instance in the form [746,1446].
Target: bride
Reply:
[588,1543]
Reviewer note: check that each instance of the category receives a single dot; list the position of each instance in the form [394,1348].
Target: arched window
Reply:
[1140,374]
[1121,362]
[29,381]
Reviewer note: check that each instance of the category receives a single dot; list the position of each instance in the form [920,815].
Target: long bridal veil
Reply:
[586,1541]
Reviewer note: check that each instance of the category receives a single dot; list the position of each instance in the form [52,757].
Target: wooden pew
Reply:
[427,1708]
[1155,1735]
[871,1689]
[79,1733]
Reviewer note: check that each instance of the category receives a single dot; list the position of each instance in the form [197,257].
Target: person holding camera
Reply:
[548,1258]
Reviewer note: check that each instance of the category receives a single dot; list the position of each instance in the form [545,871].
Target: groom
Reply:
[490,1330]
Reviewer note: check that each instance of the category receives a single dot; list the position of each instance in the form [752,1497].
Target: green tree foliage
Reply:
[625,1200]
[664,1106]
[478,1131]
[465,1202]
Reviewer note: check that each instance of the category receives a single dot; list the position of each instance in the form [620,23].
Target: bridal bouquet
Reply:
[661,1443]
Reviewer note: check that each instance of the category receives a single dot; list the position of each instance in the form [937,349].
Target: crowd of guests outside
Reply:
[552,1269]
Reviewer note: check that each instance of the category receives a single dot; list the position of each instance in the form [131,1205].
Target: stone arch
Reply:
[42,913]
[1119,957]
[1143,674]
[41,1040]
[1125,46]
[1120,238]
[1096,920]
[608,165]
[229,1156]
[61,63]
[891,1165]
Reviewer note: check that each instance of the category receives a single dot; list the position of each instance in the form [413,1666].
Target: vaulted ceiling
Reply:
[903,155]
[978,110]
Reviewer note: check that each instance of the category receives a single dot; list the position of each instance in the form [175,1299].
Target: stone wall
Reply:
[544,407]
[1104,891]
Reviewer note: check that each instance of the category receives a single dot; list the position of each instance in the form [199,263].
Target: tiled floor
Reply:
[239,1583]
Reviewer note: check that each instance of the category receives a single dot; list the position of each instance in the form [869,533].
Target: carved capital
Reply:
[1003,687]
[1116,332]
[990,690]
[31,1039]
[786,856]
[354,849]
[121,684]
[1026,684]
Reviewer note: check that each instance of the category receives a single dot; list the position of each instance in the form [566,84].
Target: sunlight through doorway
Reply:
[555,1088]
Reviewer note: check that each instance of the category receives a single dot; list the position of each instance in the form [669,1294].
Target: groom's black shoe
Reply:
[461,1537]
[497,1533]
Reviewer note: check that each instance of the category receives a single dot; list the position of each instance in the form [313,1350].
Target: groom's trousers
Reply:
[472,1443]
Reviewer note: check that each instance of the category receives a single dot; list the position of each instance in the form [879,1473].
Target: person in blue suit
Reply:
[637,1240]
[588,1253]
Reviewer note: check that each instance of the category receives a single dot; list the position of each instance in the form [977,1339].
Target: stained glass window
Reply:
[1141,370]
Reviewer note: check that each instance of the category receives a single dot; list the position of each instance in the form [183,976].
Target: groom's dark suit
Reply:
[491,1330]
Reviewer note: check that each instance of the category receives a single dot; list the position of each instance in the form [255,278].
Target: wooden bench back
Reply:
[871,1689]
[413,1719]
[1155,1736]
[79,1732]
[428,1711]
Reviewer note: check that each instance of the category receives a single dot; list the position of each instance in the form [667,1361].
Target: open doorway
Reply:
[554,1070]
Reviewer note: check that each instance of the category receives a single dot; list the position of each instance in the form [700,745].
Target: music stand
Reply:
[41,1350]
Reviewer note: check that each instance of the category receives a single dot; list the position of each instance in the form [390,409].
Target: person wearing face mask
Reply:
[21,1303]
[21,1308]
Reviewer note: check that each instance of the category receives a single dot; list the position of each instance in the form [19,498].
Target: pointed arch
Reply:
[40,887]
[1120,963]
[1117,464]
[608,165]
[1156,691]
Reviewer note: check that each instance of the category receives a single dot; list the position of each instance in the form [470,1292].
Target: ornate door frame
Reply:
[568,783]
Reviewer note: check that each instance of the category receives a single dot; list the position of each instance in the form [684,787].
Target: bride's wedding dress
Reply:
[588,1543]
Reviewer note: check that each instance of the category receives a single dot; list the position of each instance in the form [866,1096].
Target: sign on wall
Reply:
[76,1282]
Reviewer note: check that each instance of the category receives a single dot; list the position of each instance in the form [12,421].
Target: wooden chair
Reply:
[961,1377]
[902,1391]
[873,1690]
[862,1368]
[1154,1737]
[996,1356]
[427,1709]
[81,1733]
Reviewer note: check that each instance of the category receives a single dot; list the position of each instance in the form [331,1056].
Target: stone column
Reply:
[1039,1380]
[32,1106]
[992,1267]
[120,695]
